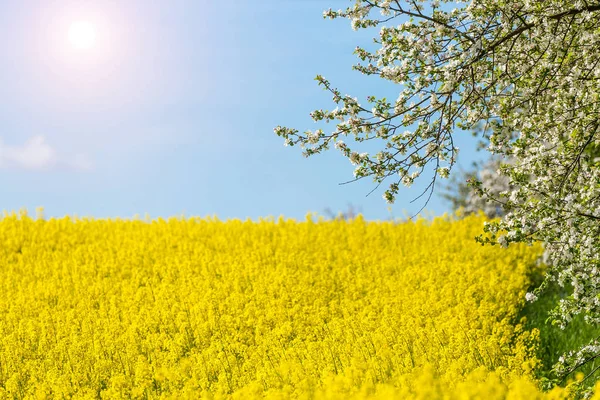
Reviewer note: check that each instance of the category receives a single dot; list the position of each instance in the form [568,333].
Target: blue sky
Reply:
[172,110]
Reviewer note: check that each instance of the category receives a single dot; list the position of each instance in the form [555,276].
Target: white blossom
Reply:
[354,158]
[530,297]
[502,241]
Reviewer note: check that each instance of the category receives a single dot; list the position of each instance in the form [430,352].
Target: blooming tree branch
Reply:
[528,72]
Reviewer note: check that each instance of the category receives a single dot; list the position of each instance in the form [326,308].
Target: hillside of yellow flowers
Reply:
[202,308]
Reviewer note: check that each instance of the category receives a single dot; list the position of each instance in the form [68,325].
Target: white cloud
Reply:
[37,154]
[80,162]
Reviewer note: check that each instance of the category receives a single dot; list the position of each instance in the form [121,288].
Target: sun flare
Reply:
[82,35]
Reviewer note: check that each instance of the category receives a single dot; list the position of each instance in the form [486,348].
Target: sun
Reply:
[82,35]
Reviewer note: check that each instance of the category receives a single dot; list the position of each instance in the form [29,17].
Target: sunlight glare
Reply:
[82,35]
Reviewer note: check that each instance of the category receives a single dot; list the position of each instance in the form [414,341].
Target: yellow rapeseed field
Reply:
[200,308]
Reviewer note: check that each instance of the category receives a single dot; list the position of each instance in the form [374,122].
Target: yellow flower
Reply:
[201,308]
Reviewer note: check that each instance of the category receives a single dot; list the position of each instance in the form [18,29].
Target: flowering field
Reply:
[189,308]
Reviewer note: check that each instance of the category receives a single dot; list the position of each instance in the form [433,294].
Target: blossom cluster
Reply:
[525,75]
[202,308]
